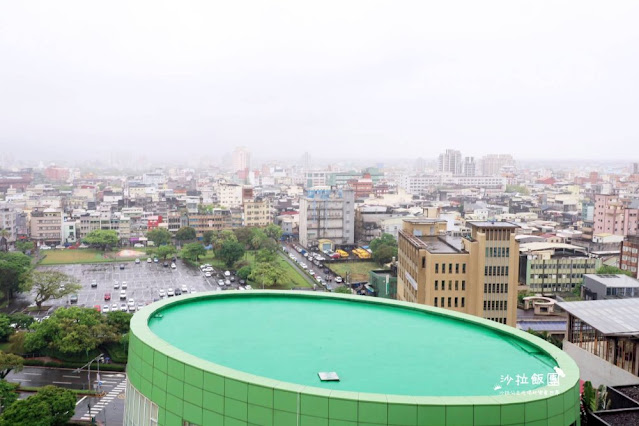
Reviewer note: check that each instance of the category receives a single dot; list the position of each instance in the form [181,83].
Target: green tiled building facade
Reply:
[170,387]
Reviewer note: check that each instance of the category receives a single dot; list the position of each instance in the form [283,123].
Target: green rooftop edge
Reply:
[141,330]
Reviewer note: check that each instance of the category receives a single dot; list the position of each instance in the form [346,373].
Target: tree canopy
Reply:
[14,269]
[102,238]
[385,239]
[5,327]
[384,248]
[119,321]
[193,251]
[71,330]
[51,406]
[10,362]
[186,233]
[8,394]
[51,285]
[230,251]
[24,246]
[159,236]
[273,231]
[208,237]
[266,273]
[612,270]
[165,250]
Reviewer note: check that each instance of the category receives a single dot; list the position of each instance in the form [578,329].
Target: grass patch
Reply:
[358,270]
[5,347]
[66,256]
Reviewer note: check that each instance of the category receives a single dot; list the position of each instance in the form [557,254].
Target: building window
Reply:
[450,285]
[455,302]
[437,268]
[457,268]
[435,302]
[436,284]
[463,268]
[423,261]
[449,300]
[463,285]
[442,302]
[456,285]
[450,268]
[463,301]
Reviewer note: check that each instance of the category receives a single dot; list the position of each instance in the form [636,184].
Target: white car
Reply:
[227,282]
[170,292]
[303,265]
[138,245]
[185,289]
[207,274]
[227,273]
[193,291]
[338,279]
[220,282]
[123,307]
[106,309]
[137,261]
[241,288]
[173,266]
[248,287]
[311,272]
[140,305]
[131,304]
[124,285]
[114,307]
[122,295]
[208,269]
[149,260]
[116,285]
[162,293]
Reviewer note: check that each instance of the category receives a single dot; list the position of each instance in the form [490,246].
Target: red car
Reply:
[97,308]
[107,296]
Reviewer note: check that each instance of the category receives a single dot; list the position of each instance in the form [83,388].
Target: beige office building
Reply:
[476,275]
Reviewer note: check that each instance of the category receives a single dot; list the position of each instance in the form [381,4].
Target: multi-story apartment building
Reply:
[218,220]
[258,212]
[475,274]
[416,184]
[9,221]
[629,257]
[492,164]
[230,195]
[46,226]
[327,213]
[314,178]
[241,159]
[615,215]
[469,168]
[554,268]
[451,162]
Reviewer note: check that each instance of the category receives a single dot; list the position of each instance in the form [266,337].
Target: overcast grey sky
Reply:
[335,78]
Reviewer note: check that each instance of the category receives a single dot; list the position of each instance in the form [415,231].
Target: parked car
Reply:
[232,279]
[114,307]
[121,265]
[124,285]
[131,304]
[173,266]
[106,309]
[207,274]
[123,307]
[185,289]
[242,282]
[107,296]
[149,260]
[137,261]
[338,279]
[140,305]
[165,264]
[220,282]
[116,285]
[97,308]
[122,295]
[155,259]
[170,292]
[178,292]
[248,287]
[227,273]
[227,282]
[94,284]
[162,293]
[73,298]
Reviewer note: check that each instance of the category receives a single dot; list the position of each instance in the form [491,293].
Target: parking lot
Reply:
[143,281]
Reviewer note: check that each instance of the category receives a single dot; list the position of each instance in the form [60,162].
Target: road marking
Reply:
[62,383]
[24,380]
[32,374]
[78,403]
[72,377]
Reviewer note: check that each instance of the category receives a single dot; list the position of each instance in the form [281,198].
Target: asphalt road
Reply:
[327,277]
[108,409]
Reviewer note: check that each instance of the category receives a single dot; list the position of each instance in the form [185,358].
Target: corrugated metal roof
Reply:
[613,316]
[542,325]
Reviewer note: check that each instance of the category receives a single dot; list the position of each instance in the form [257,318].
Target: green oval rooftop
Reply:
[383,348]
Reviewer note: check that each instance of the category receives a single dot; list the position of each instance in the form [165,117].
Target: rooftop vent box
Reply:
[330,376]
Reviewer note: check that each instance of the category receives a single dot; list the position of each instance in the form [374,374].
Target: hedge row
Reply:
[75,391]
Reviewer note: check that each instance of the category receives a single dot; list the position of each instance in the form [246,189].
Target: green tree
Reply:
[5,327]
[4,239]
[51,285]
[102,238]
[23,321]
[51,406]
[166,250]
[222,236]
[230,252]
[8,394]
[612,270]
[244,235]
[14,269]
[266,273]
[343,289]
[208,237]
[10,362]
[24,246]
[71,330]
[384,254]
[257,239]
[186,233]
[119,321]
[521,189]
[265,255]
[244,272]
[193,251]
[273,231]
[384,240]
[159,236]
